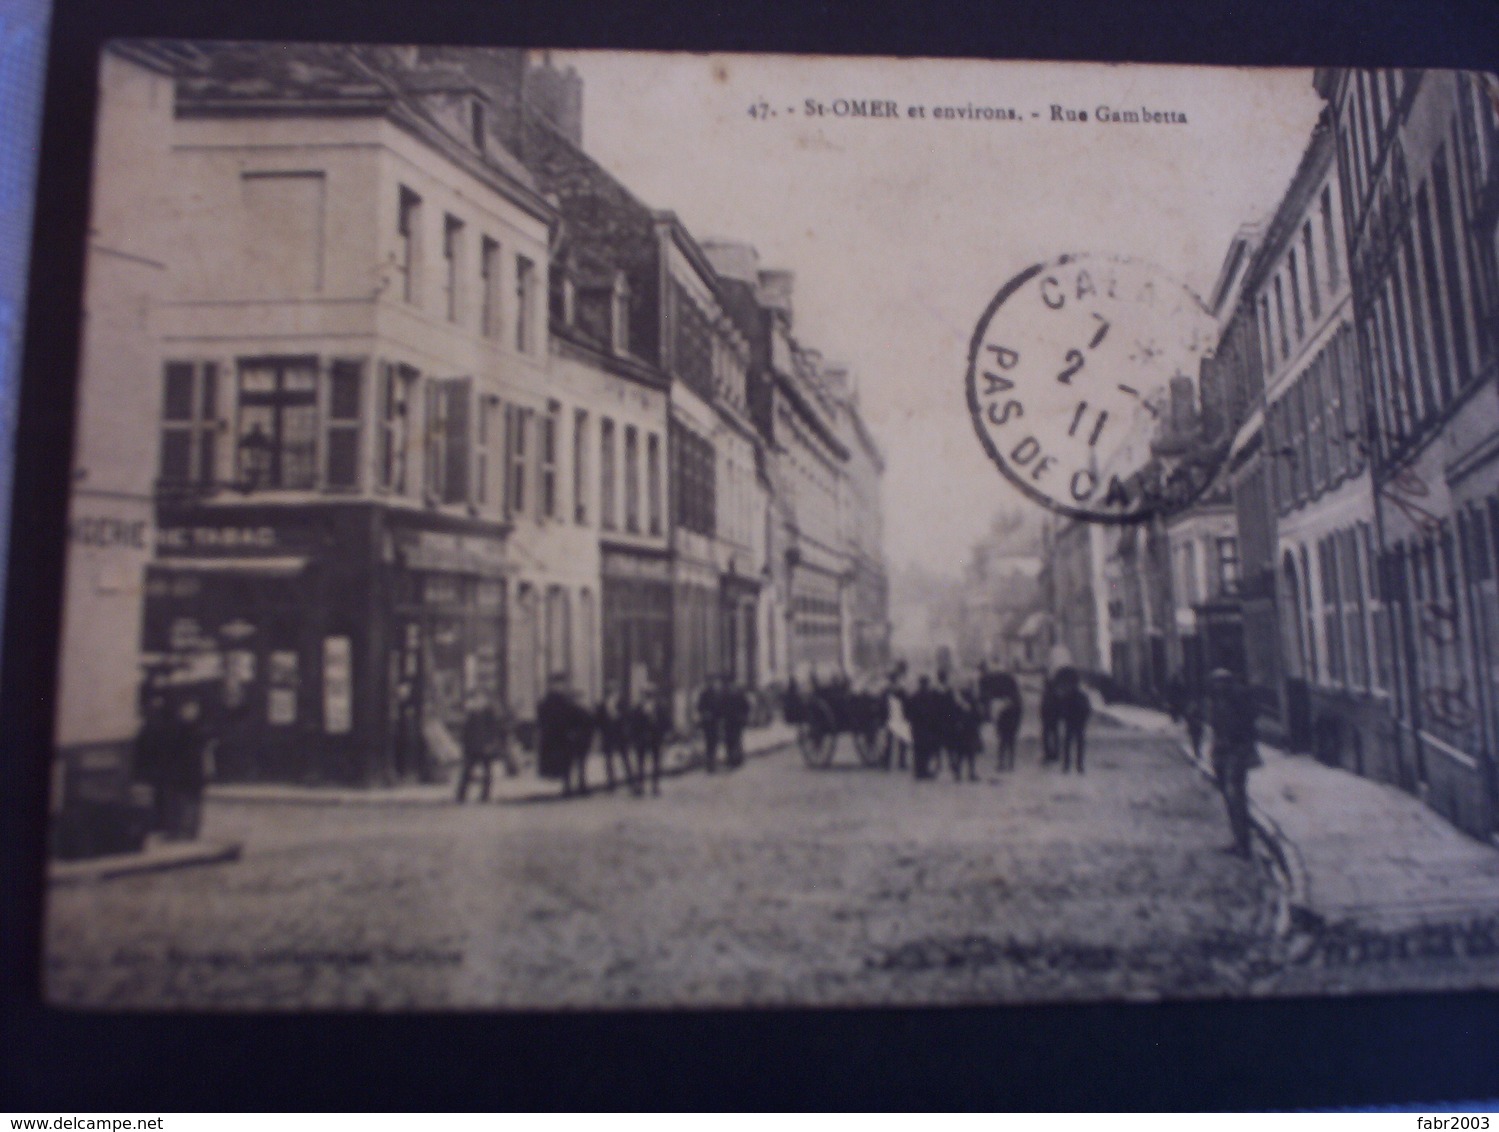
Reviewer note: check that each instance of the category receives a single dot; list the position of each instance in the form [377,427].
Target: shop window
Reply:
[345,393]
[189,423]
[447,447]
[396,383]
[277,434]
[409,244]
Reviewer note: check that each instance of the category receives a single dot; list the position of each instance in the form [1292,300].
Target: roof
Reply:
[232,79]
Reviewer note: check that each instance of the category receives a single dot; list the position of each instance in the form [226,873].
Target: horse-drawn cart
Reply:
[823,715]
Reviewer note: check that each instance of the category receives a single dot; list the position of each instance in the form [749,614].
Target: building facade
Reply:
[1415,153]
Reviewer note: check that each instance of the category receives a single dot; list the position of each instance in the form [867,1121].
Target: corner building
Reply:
[352,357]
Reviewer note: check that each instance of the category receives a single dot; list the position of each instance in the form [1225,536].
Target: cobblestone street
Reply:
[777,884]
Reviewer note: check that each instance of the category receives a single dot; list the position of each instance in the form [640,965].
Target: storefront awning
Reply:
[283,566]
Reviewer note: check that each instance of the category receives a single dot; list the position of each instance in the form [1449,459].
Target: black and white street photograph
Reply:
[603,530]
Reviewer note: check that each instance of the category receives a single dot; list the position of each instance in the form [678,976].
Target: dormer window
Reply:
[569,301]
[619,310]
[478,128]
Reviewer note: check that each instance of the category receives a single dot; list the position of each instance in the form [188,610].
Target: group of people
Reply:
[631,731]
[939,718]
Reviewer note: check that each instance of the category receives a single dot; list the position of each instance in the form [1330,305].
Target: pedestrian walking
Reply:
[734,711]
[710,721]
[648,722]
[1192,716]
[169,757]
[564,730]
[480,741]
[1234,752]
[613,737]
[922,711]
[897,723]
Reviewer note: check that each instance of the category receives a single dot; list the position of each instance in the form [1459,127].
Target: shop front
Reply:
[738,600]
[637,619]
[327,643]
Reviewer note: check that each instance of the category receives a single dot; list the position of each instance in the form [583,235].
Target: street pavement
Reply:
[775,884]
[1381,891]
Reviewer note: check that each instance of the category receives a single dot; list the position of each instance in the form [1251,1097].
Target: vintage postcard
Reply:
[606,530]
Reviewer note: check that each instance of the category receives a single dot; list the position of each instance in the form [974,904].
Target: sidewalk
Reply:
[678,759]
[1359,854]
[157,856]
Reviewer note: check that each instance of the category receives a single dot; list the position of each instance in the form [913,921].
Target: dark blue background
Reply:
[1366,1051]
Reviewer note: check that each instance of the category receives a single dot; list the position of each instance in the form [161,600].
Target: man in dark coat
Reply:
[734,711]
[648,722]
[480,741]
[563,726]
[1232,717]
[921,712]
[710,719]
[613,736]
[169,757]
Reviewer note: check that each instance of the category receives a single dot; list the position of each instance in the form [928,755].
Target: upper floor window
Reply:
[345,403]
[1313,299]
[1280,319]
[452,265]
[189,423]
[653,482]
[580,466]
[489,279]
[409,250]
[606,474]
[549,430]
[396,384]
[517,425]
[276,440]
[1330,241]
[632,479]
[448,448]
[1228,564]
[1295,277]
[525,303]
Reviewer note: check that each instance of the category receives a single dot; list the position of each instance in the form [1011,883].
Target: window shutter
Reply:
[345,395]
[458,445]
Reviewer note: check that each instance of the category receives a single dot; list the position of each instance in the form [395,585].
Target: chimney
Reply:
[775,291]
[557,95]
[733,260]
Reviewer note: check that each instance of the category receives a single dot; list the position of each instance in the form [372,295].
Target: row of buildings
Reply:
[1345,560]
[391,395]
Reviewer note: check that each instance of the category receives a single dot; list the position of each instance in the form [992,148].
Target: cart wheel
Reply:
[873,747]
[816,737]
